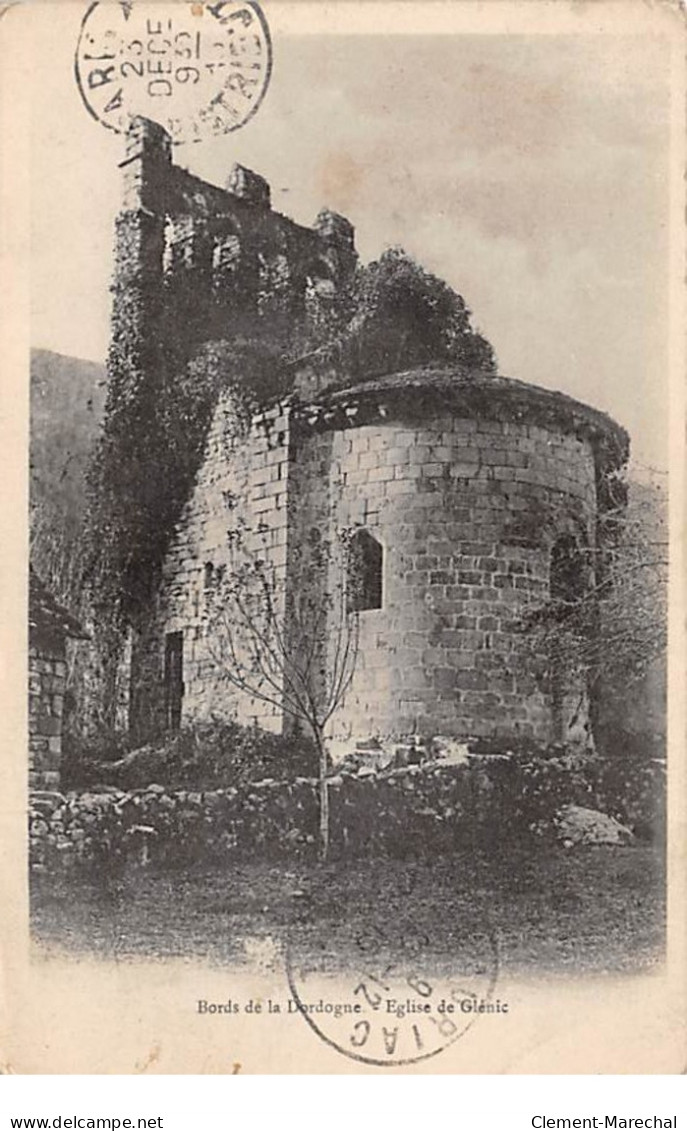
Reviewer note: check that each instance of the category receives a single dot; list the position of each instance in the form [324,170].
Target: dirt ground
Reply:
[548,911]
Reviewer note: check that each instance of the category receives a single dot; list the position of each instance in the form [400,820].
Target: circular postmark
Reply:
[389,996]
[198,70]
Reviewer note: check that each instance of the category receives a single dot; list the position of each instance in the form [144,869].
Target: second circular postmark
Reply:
[199,70]
[389,996]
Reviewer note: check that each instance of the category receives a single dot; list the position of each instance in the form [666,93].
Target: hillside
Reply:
[66,404]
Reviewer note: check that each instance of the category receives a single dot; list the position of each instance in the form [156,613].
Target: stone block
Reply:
[404,439]
[276,489]
[488,623]
[445,679]
[408,472]
[53,684]
[468,453]
[380,474]
[356,478]
[470,680]
[434,470]
[46,779]
[469,577]
[442,577]
[398,488]
[463,470]
[397,456]
[49,725]
[419,454]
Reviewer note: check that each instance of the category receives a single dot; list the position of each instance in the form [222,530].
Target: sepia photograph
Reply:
[352,478]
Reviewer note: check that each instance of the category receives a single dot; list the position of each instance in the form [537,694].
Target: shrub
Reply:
[626,779]
[202,755]
[629,780]
[83,758]
[223,752]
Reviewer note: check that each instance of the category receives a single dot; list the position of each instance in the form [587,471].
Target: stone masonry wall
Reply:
[196,265]
[47,682]
[243,479]
[467,511]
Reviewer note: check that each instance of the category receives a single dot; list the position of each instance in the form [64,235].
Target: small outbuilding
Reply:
[50,627]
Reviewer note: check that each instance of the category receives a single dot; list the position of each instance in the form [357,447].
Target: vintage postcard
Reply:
[343,353]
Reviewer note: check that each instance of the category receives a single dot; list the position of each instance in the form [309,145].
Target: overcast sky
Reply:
[530,172]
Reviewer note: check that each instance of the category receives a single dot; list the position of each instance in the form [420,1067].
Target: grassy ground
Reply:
[584,911]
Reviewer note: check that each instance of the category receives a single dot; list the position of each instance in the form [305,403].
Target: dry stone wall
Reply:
[418,809]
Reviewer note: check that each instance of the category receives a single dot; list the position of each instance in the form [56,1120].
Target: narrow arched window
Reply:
[208,575]
[567,577]
[365,572]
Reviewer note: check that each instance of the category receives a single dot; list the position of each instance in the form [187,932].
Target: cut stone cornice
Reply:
[470,394]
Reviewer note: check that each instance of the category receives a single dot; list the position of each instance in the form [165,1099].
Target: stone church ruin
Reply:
[464,497]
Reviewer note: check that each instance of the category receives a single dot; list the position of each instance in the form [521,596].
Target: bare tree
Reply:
[604,627]
[288,637]
[57,554]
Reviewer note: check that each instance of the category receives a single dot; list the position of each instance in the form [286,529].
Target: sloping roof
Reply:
[474,388]
[46,615]
[474,393]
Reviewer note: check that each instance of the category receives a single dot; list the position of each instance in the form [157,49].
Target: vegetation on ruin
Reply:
[605,624]
[208,754]
[402,317]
